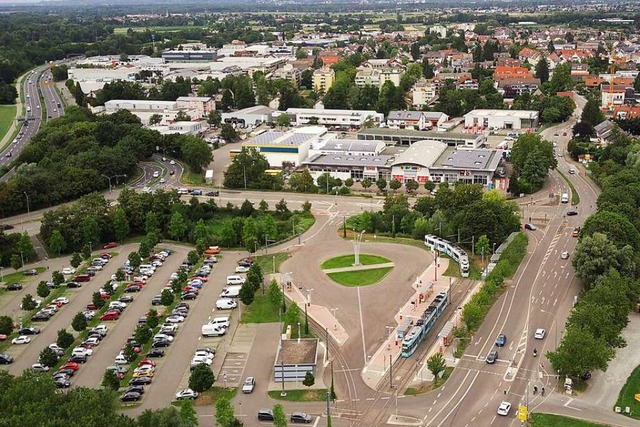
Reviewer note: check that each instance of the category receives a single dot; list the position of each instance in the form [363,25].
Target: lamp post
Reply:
[357,240]
[28,207]
[494,248]
[298,331]
[309,296]
[109,179]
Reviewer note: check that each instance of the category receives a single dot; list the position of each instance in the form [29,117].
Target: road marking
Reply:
[364,347]
[453,397]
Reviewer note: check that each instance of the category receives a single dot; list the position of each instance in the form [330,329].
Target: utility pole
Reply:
[28,211]
[344,227]
[390,371]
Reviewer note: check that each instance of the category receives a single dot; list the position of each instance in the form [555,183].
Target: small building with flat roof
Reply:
[414,162]
[468,166]
[352,147]
[501,119]
[294,359]
[253,116]
[343,166]
[409,136]
[286,149]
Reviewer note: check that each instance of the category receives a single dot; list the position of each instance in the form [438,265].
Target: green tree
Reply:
[177,226]
[6,325]
[201,379]
[366,183]
[436,365]
[166,297]
[155,119]
[120,224]
[152,318]
[292,315]
[283,120]
[65,339]
[97,300]
[90,231]
[472,315]
[79,322]
[193,256]
[143,334]
[263,206]
[76,260]
[412,185]
[196,153]
[596,254]
[394,184]
[187,414]
[110,380]
[381,184]
[591,112]
[483,246]
[214,118]
[279,417]
[43,290]
[16,261]
[134,259]
[129,353]
[28,303]
[580,352]
[309,379]
[542,70]
[224,411]
[228,133]
[246,293]
[57,244]
[48,357]
[302,182]
[274,293]
[561,81]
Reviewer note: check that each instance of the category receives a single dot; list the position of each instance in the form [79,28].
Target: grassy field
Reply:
[349,260]
[310,395]
[260,311]
[7,116]
[18,276]
[548,420]
[266,262]
[123,30]
[360,277]
[631,387]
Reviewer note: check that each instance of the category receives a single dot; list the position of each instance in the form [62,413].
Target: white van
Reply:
[210,330]
[565,198]
[147,267]
[231,292]
[183,191]
[222,322]
[235,280]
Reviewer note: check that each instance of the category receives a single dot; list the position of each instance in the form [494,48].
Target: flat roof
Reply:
[294,352]
[328,112]
[335,144]
[476,159]
[257,109]
[523,114]
[346,160]
[419,134]
[423,153]
[280,138]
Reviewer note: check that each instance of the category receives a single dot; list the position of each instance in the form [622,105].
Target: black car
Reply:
[212,193]
[160,343]
[180,312]
[130,396]
[40,317]
[135,389]
[140,381]
[157,300]
[30,272]
[492,357]
[78,359]
[572,212]
[182,305]
[155,352]
[265,415]
[14,287]
[188,296]
[300,417]
[67,371]
[5,359]
[73,285]
[29,331]
[6,227]
[134,288]
[125,298]
[62,383]
[586,376]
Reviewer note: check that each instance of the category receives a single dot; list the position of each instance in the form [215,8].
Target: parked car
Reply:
[187,393]
[301,417]
[155,352]
[130,396]
[110,245]
[22,339]
[62,383]
[265,415]
[529,226]
[68,271]
[226,304]
[140,381]
[40,317]
[74,285]
[242,269]
[5,359]
[30,272]
[572,212]
[249,385]
[212,250]
[14,287]
[29,331]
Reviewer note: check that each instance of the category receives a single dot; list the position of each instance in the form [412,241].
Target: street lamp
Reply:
[309,296]
[28,207]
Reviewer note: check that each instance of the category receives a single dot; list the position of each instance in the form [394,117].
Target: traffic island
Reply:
[369,270]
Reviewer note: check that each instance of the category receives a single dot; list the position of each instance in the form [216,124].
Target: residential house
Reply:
[415,120]
[323,79]
[424,92]
[623,112]
[512,87]
[202,104]
[288,72]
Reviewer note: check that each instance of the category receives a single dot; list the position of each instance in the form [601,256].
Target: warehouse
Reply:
[501,119]
[286,149]
[409,136]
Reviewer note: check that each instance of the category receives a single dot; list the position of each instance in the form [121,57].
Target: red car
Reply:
[105,254]
[147,362]
[70,365]
[92,307]
[201,278]
[110,245]
[110,315]
[3,337]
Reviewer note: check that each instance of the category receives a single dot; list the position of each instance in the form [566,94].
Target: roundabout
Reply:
[344,271]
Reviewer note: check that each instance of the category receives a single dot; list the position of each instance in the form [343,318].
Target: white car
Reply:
[22,339]
[187,393]
[204,354]
[504,408]
[92,341]
[118,304]
[156,174]
[68,270]
[201,359]
[39,367]
[81,351]
[249,385]
[162,336]
[242,269]
[226,304]
[172,162]
[61,300]
[58,350]
[540,333]
[564,255]
[162,180]
[174,318]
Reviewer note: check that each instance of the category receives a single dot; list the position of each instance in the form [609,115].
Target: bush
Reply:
[110,380]
[43,290]
[79,322]
[28,303]
[6,325]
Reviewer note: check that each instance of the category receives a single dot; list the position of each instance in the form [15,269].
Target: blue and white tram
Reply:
[424,324]
[452,250]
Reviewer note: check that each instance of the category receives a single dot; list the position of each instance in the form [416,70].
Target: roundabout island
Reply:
[345,271]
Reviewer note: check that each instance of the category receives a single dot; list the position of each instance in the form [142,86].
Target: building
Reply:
[415,161]
[202,104]
[501,119]
[323,79]
[189,55]
[512,87]
[334,118]
[349,147]
[368,77]
[343,166]
[294,359]
[407,120]
[139,105]
[435,119]
[251,116]
[288,72]
[424,93]
[286,149]
[393,75]
[612,97]
[185,128]
[467,166]
[408,137]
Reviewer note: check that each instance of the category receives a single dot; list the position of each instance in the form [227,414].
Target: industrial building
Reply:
[335,118]
[249,116]
[501,119]
[409,136]
[286,149]
[189,55]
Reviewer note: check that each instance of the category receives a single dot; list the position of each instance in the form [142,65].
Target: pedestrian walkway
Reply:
[359,267]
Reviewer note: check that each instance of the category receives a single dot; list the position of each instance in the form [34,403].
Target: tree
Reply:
[76,260]
[143,333]
[561,81]
[381,184]
[201,379]
[366,183]
[110,380]
[263,206]
[591,112]
[483,246]
[196,153]
[274,293]
[306,206]
[90,231]
[292,315]
[129,353]
[48,357]
[155,119]
[65,339]
[6,325]
[349,182]
[309,379]
[152,318]
[596,254]
[8,93]
[224,411]
[302,182]
[246,294]
[436,365]
[79,322]
[542,70]
[281,208]
[57,278]
[228,133]
[580,352]
[214,118]
[283,120]
[97,300]
[177,226]
[134,259]
[28,303]
[395,184]
[412,185]
[16,261]
[166,297]
[43,290]
[618,229]
[193,256]
[120,224]
[57,243]
[279,417]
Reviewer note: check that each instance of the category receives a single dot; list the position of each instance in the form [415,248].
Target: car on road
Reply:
[14,287]
[212,193]
[540,333]
[301,417]
[110,245]
[249,385]
[564,255]
[5,359]
[492,357]
[501,340]
[529,226]
[226,304]
[29,331]
[265,415]
[572,171]
[576,232]
[155,352]
[22,339]
[187,393]
[572,212]
[504,408]
[130,396]
[68,270]
[30,272]
[39,367]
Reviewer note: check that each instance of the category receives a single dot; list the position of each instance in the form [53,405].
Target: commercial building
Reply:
[323,79]
[202,104]
[294,359]
[139,105]
[249,116]
[467,166]
[501,119]
[286,149]
[414,162]
[408,137]
[334,118]
[189,55]
[345,166]
[407,120]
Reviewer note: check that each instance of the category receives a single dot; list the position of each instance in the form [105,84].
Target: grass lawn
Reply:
[631,387]
[7,116]
[18,276]
[548,420]
[309,395]
[266,262]
[348,260]
[260,311]
[414,391]
[361,277]
[191,178]
[210,397]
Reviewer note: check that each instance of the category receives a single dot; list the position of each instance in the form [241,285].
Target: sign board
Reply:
[522,412]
